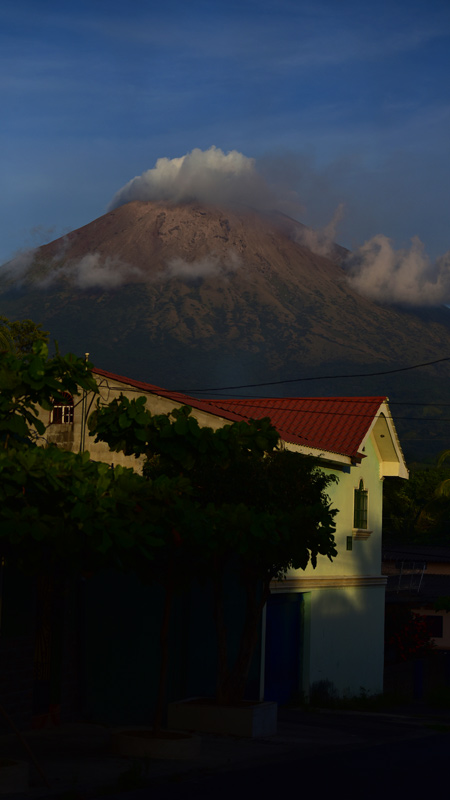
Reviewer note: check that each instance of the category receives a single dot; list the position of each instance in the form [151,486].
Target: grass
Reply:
[324,695]
[439,697]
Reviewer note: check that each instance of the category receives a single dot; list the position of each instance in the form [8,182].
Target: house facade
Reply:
[340,604]
[418,577]
[323,629]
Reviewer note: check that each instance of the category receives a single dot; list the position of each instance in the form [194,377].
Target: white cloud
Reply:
[209,267]
[321,240]
[93,271]
[407,276]
[17,267]
[208,176]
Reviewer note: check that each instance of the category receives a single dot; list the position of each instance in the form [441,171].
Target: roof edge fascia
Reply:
[401,471]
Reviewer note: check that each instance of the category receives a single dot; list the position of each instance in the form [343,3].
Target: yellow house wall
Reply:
[70,436]
[365,556]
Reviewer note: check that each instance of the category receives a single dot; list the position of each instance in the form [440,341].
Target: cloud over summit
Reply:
[208,176]
[217,178]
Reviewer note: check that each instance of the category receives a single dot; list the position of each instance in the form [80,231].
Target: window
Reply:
[62,411]
[360,507]
[434,625]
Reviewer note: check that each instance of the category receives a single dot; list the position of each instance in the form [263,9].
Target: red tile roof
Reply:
[333,424]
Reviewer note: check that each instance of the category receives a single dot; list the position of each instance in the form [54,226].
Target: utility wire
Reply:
[315,378]
[253,401]
[264,398]
[331,413]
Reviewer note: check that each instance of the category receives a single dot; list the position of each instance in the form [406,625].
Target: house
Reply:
[323,629]
[339,605]
[417,577]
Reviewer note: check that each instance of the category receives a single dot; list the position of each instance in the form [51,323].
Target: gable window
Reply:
[62,411]
[360,507]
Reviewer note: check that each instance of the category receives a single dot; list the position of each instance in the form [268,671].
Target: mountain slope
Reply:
[192,297]
[202,290]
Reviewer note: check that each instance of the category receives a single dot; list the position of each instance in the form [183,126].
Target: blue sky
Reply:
[340,101]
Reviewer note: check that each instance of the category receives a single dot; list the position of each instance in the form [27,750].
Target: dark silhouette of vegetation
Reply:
[251,509]
[407,635]
[209,501]
[19,336]
[58,507]
[417,511]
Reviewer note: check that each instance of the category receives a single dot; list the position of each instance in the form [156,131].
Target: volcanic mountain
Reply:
[192,297]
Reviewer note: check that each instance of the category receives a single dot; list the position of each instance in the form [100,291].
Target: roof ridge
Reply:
[331,428]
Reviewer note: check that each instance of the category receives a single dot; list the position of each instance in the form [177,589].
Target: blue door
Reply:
[283,658]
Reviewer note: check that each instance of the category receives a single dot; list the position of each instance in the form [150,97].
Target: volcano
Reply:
[192,297]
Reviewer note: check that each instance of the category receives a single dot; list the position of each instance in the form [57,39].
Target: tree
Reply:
[19,336]
[270,514]
[6,340]
[443,487]
[34,380]
[60,512]
[418,510]
[57,506]
[406,634]
[251,509]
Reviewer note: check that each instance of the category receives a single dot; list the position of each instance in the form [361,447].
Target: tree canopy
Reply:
[418,510]
[57,506]
[19,336]
[209,500]
[257,510]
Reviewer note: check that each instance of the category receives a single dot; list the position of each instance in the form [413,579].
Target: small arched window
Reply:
[62,411]
[360,507]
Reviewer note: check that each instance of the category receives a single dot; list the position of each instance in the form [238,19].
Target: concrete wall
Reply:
[75,436]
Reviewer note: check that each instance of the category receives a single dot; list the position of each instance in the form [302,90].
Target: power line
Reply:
[331,413]
[249,398]
[311,378]
[216,407]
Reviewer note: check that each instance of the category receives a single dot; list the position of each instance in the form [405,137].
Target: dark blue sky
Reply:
[335,101]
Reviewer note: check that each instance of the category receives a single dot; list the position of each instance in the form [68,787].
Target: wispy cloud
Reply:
[18,266]
[406,276]
[321,240]
[212,266]
[94,272]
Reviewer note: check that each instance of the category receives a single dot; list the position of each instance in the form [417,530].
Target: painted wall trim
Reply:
[306,584]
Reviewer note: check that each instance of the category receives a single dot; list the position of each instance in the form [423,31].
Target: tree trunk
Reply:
[164,641]
[232,682]
[221,631]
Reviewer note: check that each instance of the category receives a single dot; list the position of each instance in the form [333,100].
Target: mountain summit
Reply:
[190,296]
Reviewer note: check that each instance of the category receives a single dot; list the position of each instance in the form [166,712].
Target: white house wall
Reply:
[347,595]
[346,645]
